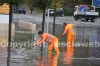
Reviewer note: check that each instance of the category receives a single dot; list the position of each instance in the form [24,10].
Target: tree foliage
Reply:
[72,3]
[40,3]
[14,2]
[45,3]
[56,3]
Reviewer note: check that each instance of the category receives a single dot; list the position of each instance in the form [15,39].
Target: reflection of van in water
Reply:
[20,10]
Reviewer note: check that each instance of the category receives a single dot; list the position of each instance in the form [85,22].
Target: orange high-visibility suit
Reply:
[52,40]
[69,28]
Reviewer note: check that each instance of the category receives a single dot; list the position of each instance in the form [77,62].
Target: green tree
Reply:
[11,2]
[72,3]
[56,4]
[42,4]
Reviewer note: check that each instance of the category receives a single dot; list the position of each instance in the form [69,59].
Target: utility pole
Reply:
[48,21]
[33,22]
[9,34]
[92,2]
[43,22]
[54,18]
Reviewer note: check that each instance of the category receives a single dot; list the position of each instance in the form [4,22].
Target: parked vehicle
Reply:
[20,10]
[57,13]
[85,11]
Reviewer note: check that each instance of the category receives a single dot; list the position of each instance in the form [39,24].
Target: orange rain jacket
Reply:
[52,40]
[69,28]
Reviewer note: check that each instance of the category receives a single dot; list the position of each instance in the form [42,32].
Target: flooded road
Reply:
[3,52]
[81,54]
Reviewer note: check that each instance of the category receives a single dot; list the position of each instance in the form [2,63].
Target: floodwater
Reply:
[84,52]
[3,52]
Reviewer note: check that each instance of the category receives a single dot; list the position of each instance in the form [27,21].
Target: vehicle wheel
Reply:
[16,12]
[46,15]
[24,12]
[86,20]
[52,15]
[92,20]
[62,15]
[19,13]
[76,18]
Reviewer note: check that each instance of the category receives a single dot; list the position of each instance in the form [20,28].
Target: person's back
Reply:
[69,28]
[49,37]
[70,25]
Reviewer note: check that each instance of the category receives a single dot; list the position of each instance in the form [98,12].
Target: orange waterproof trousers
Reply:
[70,42]
[53,44]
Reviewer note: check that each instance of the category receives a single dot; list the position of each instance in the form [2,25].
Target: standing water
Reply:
[83,53]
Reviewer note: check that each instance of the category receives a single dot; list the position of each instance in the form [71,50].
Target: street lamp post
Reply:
[48,22]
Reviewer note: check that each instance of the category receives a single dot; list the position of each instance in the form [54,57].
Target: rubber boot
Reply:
[57,52]
[49,52]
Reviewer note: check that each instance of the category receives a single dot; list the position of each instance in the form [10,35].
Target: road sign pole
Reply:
[48,22]
[32,23]
[92,2]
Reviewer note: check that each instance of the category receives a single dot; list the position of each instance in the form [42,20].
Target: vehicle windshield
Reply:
[75,9]
[22,7]
[90,8]
[51,10]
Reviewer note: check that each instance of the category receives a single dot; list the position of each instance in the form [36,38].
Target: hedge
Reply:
[68,11]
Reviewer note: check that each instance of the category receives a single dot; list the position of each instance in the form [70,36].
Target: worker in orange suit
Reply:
[50,39]
[69,29]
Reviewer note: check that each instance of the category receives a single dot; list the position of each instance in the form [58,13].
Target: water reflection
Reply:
[95,50]
[71,56]
[95,39]
[50,60]
[82,35]
[3,52]
[68,55]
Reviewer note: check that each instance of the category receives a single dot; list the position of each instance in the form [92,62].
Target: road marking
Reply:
[86,58]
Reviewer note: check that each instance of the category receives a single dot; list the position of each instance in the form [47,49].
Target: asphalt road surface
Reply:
[37,18]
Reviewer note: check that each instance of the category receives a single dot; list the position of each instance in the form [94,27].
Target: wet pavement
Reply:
[79,55]
[3,51]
